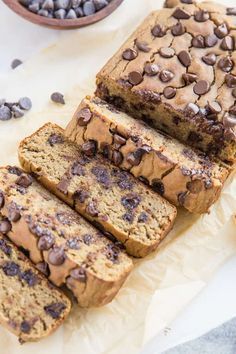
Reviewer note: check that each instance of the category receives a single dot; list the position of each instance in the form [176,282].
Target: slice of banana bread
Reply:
[112,199]
[30,306]
[178,72]
[177,172]
[60,241]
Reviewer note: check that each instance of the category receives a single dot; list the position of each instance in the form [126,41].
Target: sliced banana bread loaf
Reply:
[60,242]
[180,174]
[30,306]
[113,199]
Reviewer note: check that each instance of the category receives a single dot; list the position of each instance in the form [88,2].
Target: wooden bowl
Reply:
[54,23]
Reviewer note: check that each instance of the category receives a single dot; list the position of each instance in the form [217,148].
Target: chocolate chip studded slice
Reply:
[169,92]
[201,16]
[57,256]
[24,180]
[57,97]
[181,14]
[129,54]
[89,148]
[230,80]
[201,87]
[151,69]
[84,116]
[143,46]
[79,274]
[158,31]
[167,52]
[211,40]
[189,78]
[198,41]
[178,29]
[226,64]
[227,43]
[166,75]
[209,59]
[185,58]
[221,31]
[135,77]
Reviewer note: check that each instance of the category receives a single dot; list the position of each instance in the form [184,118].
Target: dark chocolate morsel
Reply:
[169,92]
[158,31]
[129,54]
[24,180]
[135,77]
[201,87]
[151,69]
[181,14]
[56,256]
[185,58]
[143,46]
[55,309]
[84,116]
[166,75]
[79,274]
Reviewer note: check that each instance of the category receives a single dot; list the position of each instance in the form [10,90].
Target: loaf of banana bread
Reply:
[112,199]
[178,73]
[177,172]
[60,242]
[30,306]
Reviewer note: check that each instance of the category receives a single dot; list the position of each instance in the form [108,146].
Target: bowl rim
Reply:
[54,23]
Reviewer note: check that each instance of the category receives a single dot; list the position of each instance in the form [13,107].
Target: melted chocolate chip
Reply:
[167,52]
[84,116]
[15,170]
[158,31]
[102,175]
[143,217]
[198,41]
[227,43]
[55,309]
[125,182]
[178,29]
[88,239]
[201,87]
[221,31]
[158,186]
[77,169]
[169,92]
[181,198]
[112,253]
[181,14]
[185,58]
[143,46]
[135,77]
[166,75]
[89,148]
[25,327]
[226,64]
[128,217]
[73,243]
[11,269]
[130,201]
[201,16]
[55,139]
[209,59]
[151,69]
[63,185]
[57,256]
[91,209]
[129,54]
[81,195]
[189,78]
[79,274]
[24,180]
[5,226]
[29,277]
[45,242]
[5,247]
[117,158]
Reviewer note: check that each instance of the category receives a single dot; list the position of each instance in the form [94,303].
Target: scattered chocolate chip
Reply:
[24,180]
[158,31]
[5,113]
[209,59]
[11,269]
[81,195]
[17,112]
[198,41]
[57,97]
[178,29]
[56,256]
[143,46]
[5,226]
[25,103]
[91,209]
[151,69]
[230,80]
[169,92]
[229,121]
[231,11]
[77,169]
[89,148]
[55,309]
[195,186]
[135,77]
[79,274]
[211,40]
[129,217]
[55,139]
[5,247]
[43,268]
[189,78]
[166,75]
[15,63]
[221,31]
[29,277]
[129,54]
[102,175]
[201,16]
[181,14]
[117,158]
[84,116]
[158,186]
[226,64]
[143,217]
[227,43]
[185,58]
[181,198]
[45,242]
[25,327]
[191,109]
[201,87]
[167,52]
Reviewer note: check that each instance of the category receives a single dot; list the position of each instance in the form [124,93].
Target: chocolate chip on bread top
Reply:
[178,72]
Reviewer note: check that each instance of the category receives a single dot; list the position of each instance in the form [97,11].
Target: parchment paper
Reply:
[160,285]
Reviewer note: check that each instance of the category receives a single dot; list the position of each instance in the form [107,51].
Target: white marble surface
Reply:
[216,304]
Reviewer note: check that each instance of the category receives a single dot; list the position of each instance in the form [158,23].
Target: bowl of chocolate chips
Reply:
[63,14]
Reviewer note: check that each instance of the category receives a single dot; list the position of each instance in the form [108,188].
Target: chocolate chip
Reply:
[60,14]
[117,157]
[57,97]
[231,11]
[77,169]
[17,112]
[55,309]
[169,92]
[143,46]
[13,213]
[81,195]
[130,201]
[181,14]
[158,31]
[15,170]
[178,29]
[195,186]
[124,182]
[79,274]
[226,64]
[209,59]
[166,75]
[25,327]
[119,140]
[56,256]
[189,78]
[214,107]
[24,180]
[201,87]
[151,69]
[2,200]
[15,63]
[129,54]
[191,109]
[73,243]
[158,186]
[227,43]
[5,226]
[135,77]
[201,16]
[5,247]
[43,268]
[211,40]
[112,253]
[45,242]
[91,209]
[89,8]
[11,269]
[198,41]
[89,148]
[29,277]
[129,217]
[88,239]
[63,185]
[181,198]
[230,80]
[55,139]
[143,217]
[25,103]
[229,121]
[102,175]
[84,116]
[185,58]
[5,113]
[134,158]
[221,31]
[167,52]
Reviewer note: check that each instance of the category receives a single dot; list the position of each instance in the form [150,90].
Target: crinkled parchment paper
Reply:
[160,285]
